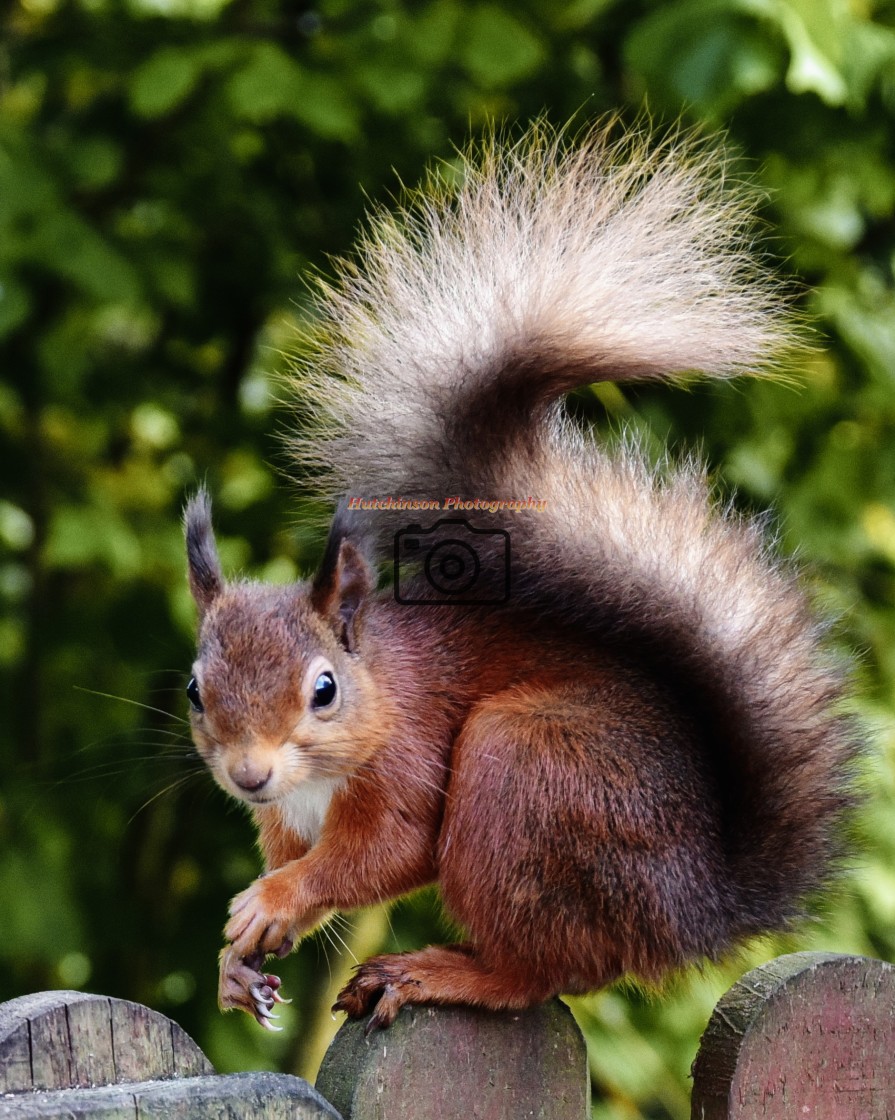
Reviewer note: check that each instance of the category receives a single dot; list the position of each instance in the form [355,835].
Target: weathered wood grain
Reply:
[62,1040]
[189,1061]
[74,1056]
[809,1036]
[142,1048]
[448,1063]
[90,1039]
[51,1056]
[15,1059]
[241,1096]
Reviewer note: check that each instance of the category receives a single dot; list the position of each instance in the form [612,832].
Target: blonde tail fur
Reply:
[551,264]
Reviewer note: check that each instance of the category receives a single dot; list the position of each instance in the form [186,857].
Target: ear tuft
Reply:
[206,580]
[341,587]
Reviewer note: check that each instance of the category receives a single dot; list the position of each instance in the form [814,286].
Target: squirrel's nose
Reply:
[250,776]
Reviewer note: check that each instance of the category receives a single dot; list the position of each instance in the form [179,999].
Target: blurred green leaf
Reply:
[713,53]
[432,33]
[271,84]
[392,88]
[496,48]
[868,54]
[63,243]
[79,538]
[814,30]
[164,81]
[323,103]
[266,84]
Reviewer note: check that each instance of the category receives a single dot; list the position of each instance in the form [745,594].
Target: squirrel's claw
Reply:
[274,982]
[351,1003]
[264,1011]
[261,993]
[265,996]
[387,1008]
[243,987]
[261,1005]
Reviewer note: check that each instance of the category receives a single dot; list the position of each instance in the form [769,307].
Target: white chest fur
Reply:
[304,810]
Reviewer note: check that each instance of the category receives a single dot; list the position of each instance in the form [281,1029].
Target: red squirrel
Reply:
[607,726]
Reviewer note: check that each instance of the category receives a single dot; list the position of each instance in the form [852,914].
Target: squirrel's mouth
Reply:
[258,800]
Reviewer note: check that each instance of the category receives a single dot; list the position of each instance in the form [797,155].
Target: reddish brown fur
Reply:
[562,798]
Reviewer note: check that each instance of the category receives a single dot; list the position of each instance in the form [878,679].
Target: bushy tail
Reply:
[694,592]
[549,265]
[446,350]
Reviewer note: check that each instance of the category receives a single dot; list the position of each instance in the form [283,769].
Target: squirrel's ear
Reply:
[206,581]
[341,587]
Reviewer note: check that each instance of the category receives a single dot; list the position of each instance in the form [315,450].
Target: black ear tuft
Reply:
[342,585]
[206,581]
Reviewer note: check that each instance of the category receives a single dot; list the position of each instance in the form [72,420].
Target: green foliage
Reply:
[169,170]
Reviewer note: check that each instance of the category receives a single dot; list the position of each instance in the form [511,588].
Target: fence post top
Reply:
[68,1040]
[807,1034]
[450,1063]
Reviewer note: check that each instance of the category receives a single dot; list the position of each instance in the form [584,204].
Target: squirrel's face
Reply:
[279,687]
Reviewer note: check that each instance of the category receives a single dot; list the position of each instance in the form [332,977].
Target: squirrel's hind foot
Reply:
[452,974]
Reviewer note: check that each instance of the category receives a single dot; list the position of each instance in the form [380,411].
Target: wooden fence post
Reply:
[452,1063]
[809,1036]
[83,1057]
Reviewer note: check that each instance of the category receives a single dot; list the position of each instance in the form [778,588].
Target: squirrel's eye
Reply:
[324,690]
[192,694]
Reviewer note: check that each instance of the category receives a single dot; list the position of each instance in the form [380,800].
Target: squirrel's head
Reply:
[280,691]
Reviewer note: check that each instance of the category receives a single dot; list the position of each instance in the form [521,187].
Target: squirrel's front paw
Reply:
[243,987]
[262,919]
